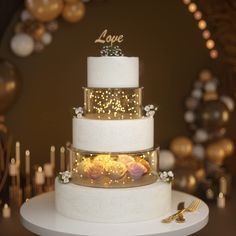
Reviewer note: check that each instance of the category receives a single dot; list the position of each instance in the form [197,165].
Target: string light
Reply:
[192,7]
[210,44]
[206,34]
[113,103]
[202,25]
[197,15]
[214,54]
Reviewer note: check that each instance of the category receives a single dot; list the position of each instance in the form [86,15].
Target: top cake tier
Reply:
[113,72]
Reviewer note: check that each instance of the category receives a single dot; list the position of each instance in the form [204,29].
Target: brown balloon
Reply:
[227,145]
[45,10]
[10,85]
[185,180]
[74,12]
[181,147]
[215,153]
[213,115]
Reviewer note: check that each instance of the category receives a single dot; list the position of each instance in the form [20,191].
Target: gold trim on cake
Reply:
[113,103]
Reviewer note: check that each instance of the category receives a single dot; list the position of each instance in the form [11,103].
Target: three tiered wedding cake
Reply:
[115,174]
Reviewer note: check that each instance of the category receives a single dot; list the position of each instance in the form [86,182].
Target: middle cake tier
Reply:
[113,103]
[113,135]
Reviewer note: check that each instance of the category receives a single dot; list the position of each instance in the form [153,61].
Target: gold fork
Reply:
[194,205]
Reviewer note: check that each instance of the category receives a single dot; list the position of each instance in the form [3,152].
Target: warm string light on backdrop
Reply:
[202,25]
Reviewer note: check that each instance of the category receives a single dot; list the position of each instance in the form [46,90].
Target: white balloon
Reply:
[197,93]
[210,86]
[228,101]
[46,38]
[201,136]
[189,116]
[22,44]
[25,15]
[166,160]
[198,152]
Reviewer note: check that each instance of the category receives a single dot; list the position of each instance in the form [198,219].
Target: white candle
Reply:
[6,211]
[39,176]
[48,170]
[18,154]
[223,185]
[62,158]
[221,200]
[13,168]
[52,156]
[27,162]
[70,160]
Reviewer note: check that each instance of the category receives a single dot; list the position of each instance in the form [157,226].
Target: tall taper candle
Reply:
[27,162]
[62,159]
[52,156]
[13,168]
[18,154]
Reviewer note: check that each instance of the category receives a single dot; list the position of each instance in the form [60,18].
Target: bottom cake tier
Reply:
[113,205]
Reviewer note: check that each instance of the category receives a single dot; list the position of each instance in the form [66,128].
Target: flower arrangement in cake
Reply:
[150,110]
[64,177]
[113,169]
[166,176]
[78,111]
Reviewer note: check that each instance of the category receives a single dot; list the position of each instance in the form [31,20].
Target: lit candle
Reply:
[18,154]
[27,162]
[39,176]
[6,211]
[62,158]
[221,200]
[52,156]
[13,168]
[48,170]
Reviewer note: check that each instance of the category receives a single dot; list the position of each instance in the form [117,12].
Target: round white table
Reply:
[39,216]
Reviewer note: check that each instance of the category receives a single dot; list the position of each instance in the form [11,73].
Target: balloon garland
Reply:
[38,22]
[207,114]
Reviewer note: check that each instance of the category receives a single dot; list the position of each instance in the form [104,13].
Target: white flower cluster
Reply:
[65,177]
[79,111]
[111,51]
[150,110]
[166,176]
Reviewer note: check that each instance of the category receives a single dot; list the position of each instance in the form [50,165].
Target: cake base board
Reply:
[39,216]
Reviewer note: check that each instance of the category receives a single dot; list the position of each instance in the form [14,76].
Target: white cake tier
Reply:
[113,205]
[113,135]
[113,72]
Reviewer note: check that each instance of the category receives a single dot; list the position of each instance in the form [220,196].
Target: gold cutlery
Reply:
[194,205]
[180,218]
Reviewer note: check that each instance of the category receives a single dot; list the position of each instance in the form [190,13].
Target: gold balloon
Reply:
[215,153]
[185,180]
[181,147]
[227,145]
[205,75]
[45,10]
[10,85]
[73,12]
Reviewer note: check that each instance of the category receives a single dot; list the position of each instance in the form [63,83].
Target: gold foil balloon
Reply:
[227,145]
[185,180]
[213,115]
[181,147]
[73,12]
[215,153]
[45,10]
[10,85]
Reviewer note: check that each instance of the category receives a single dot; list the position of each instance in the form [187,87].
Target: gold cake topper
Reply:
[110,49]
[110,39]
